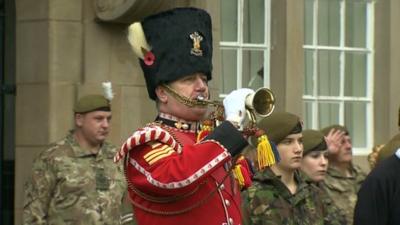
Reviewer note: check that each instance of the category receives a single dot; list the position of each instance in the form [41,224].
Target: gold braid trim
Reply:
[184,100]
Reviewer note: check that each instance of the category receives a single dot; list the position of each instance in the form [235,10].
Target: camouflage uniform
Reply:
[334,215]
[343,190]
[269,201]
[70,185]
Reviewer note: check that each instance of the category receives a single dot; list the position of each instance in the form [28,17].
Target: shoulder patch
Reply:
[146,135]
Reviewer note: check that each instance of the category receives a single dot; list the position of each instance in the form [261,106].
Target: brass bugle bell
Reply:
[261,103]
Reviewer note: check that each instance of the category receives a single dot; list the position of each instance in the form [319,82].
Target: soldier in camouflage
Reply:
[343,178]
[75,181]
[279,194]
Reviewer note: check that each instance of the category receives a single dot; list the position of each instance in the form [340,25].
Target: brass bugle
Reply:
[261,102]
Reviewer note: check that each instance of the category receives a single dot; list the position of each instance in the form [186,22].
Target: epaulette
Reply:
[145,135]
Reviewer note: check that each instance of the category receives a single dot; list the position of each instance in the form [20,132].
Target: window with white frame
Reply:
[339,56]
[245,44]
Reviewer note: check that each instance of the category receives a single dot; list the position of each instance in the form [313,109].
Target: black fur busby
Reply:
[173,44]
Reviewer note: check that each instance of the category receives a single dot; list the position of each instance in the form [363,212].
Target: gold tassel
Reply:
[238,175]
[265,153]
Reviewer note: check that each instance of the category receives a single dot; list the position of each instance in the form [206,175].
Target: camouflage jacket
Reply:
[70,185]
[343,190]
[333,215]
[269,202]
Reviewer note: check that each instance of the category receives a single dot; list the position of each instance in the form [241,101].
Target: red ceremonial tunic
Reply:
[174,180]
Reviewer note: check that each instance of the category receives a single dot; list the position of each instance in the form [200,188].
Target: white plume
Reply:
[107,88]
[137,39]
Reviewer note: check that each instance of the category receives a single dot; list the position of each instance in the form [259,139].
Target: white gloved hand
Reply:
[234,105]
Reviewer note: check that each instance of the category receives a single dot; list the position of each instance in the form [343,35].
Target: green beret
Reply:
[90,103]
[279,125]
[389,149]
[326,130]
[313,140]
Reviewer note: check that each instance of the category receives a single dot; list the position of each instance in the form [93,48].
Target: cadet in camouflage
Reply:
[314,167]
[343,179]
[75,181]
[269,202]
[279,194]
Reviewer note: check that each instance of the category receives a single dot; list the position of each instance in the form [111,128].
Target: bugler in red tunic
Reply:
[174,180]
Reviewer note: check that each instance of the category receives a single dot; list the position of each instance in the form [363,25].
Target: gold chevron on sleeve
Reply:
[159,151]
[155,147]
[161,156]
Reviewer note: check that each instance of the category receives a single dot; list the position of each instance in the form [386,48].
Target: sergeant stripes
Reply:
[159,151]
